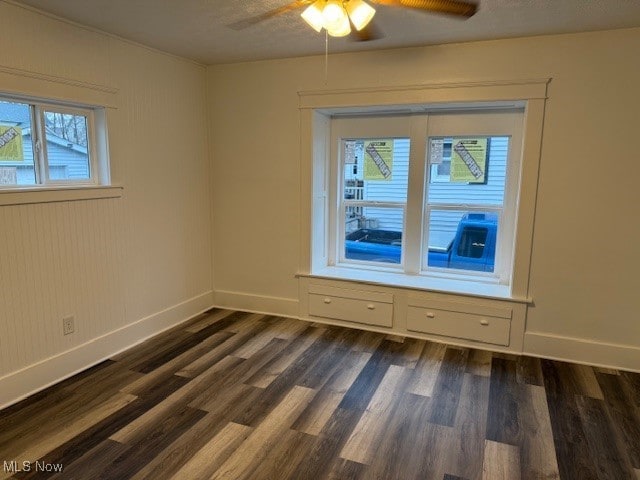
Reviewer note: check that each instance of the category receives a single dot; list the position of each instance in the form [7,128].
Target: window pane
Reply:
[462,240]
[467,170]
[16,146]
[375,235]
[376,169]
[67,141]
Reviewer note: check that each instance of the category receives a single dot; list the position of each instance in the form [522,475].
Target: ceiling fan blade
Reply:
[451,7]
[248,22]
[367,34]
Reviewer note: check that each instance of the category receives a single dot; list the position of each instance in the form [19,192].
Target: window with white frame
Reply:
[431,194]
[49,144]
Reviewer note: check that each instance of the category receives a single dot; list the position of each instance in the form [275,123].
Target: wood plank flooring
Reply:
[234,395]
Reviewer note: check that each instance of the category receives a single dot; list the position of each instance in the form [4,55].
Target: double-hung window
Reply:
[430,194]
[373,175]
[48,144]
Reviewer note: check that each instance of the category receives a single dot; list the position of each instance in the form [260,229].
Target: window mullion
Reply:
[415,194]
[42,168]
[35,145]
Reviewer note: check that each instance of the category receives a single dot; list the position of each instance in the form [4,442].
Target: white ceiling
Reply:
[197,29]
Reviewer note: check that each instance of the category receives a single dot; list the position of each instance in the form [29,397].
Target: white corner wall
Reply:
[127,267]
[583,279]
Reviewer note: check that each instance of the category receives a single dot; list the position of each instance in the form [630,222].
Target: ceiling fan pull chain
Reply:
[326,57]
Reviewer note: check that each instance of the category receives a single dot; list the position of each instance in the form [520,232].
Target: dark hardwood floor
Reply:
[232,395]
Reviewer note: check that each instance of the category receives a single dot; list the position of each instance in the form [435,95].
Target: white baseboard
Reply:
[287,307]
[29,380]
[580,350]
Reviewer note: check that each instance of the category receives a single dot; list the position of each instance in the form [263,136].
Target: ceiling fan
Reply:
[338,17]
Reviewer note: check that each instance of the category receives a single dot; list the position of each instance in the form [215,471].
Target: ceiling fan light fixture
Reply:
[360,13]
[342,29]
[313,15]
[334,15]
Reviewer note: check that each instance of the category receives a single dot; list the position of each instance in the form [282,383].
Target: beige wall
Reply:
[584,267]
[124,267]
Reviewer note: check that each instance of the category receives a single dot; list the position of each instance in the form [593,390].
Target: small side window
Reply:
[45,144]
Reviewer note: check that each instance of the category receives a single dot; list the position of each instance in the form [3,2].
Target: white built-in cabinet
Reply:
[486,323]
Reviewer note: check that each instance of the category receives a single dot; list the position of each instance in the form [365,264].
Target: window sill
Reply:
[418,282]
[28,195]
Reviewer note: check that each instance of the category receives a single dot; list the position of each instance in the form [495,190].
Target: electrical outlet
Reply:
[68,325]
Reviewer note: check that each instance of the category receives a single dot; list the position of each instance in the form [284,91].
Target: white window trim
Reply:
[43,194]
[31,84]
[20,83]
[315,109]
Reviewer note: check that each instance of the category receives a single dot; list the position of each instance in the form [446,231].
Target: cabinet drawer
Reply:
[357,310]
[464,325]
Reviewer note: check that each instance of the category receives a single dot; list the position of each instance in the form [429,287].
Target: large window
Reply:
[430,194]
[47,144]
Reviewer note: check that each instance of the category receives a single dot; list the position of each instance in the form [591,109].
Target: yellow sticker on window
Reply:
[11,144]
[378,159]
[469,160]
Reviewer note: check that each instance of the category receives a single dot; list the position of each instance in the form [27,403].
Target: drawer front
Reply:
[351,309]
[468,326]
[330,291]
